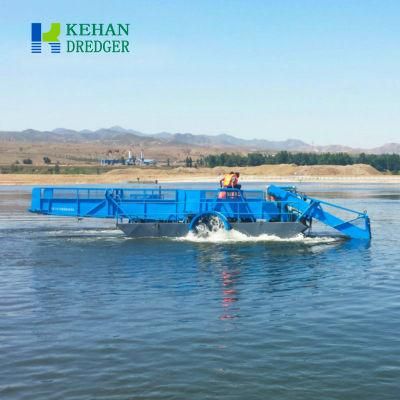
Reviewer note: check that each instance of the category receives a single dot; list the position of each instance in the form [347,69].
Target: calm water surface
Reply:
[88,314]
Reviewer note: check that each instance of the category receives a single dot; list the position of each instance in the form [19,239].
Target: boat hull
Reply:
[178,229]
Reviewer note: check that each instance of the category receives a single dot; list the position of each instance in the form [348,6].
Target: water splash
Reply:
[234,236]
[219,237]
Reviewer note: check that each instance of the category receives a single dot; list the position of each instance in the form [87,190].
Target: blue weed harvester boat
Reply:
[157,212]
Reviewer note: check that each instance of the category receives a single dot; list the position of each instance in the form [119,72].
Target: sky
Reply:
[326,72]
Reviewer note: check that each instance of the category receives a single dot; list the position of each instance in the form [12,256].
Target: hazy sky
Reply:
[321,71]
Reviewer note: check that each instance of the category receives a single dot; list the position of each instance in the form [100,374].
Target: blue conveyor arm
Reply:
[308,208]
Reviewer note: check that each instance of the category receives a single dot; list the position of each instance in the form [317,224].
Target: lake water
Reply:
[86,313]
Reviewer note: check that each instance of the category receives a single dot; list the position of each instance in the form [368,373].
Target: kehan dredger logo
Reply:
[82,38]
[50,37]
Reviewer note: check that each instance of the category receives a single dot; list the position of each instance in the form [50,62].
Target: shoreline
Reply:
[47,180]
[356,173]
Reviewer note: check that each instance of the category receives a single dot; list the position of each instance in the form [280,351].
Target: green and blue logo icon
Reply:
[50,37]
[84,38]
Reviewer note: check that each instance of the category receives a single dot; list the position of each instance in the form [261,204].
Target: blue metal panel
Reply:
[36,199]
[270,211]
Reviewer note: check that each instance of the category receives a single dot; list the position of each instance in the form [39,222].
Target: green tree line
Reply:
[382,162]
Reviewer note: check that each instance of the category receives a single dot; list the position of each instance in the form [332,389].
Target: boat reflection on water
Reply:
[273,267]
[230,294]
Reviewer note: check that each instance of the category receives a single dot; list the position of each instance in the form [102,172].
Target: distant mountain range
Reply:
[119,135]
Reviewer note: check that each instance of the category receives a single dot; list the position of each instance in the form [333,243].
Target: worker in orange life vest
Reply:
[230,180]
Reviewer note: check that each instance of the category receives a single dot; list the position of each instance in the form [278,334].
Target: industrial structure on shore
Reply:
[131,160]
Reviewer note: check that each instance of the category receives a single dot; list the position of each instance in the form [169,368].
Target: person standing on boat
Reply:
[236,184]
[231,180]
[228,180]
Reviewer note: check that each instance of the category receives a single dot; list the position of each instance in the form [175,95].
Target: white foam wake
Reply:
[234,236]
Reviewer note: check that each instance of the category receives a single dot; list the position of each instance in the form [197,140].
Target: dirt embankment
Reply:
[289,172]
[307,170]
